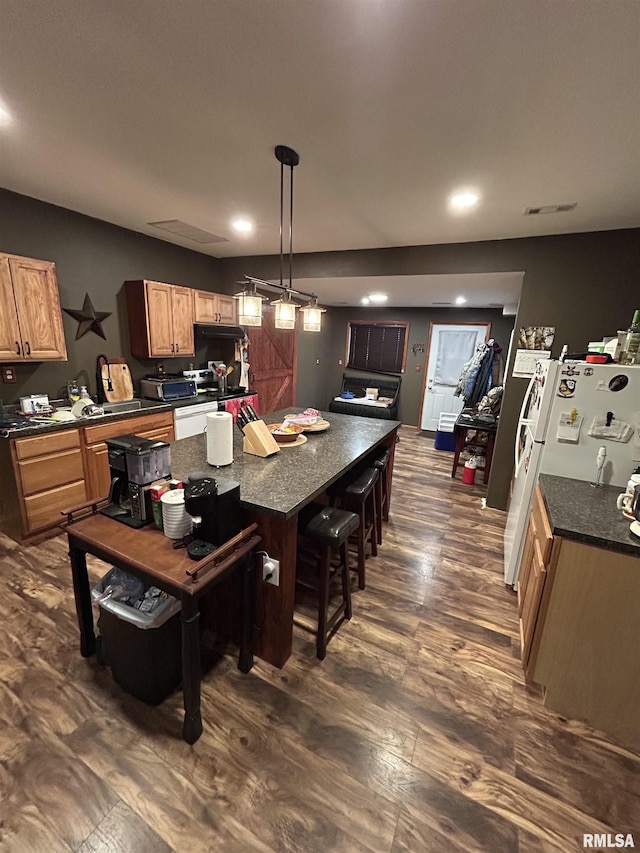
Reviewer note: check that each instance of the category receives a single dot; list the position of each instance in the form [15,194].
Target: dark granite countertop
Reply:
[147,407]
[579,511]
[283,483]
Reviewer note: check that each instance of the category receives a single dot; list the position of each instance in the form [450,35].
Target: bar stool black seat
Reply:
[382,491]
[327,529]
[357,496]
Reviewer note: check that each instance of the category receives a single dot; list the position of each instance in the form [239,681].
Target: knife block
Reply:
[258,440]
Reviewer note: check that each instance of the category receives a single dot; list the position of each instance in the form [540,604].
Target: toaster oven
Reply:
[168,389]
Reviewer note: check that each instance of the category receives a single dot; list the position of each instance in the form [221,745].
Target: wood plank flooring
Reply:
[416,733]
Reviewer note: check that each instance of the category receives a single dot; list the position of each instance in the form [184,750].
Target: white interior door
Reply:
[452,345]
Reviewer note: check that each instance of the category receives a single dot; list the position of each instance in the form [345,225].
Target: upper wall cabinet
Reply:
[161,318]
[212,308]
[30,316]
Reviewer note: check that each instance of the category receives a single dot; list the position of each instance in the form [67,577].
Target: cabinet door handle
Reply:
[177,347]
[28,348]
[17,347]
[172,349]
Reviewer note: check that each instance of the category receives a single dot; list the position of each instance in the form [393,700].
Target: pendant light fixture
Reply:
[285,317]
[313,316]
[249,305]
[250,301]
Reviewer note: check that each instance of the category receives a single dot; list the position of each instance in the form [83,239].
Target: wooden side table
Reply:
[149,555]
[461,430]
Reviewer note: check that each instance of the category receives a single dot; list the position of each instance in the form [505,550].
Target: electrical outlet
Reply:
[8,374]
[271,571]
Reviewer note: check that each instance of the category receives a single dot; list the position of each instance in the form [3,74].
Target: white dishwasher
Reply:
[191,420]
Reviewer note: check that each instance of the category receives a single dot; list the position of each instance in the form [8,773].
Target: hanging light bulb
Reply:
[313,316]
[285,317]
[249,306]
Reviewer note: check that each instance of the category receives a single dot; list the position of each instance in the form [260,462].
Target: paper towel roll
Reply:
[219,439]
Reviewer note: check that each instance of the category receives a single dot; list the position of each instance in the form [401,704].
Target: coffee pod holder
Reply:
[258,441]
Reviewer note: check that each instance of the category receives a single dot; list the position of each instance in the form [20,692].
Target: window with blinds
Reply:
[378,347]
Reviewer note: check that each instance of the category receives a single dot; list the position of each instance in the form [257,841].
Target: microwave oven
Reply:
[168,389]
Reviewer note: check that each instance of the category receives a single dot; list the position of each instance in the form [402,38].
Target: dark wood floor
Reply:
[417,733]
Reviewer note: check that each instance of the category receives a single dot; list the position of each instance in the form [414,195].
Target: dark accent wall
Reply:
[419,319]
[95,257]
[586,285]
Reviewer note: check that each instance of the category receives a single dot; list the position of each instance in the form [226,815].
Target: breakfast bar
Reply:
[273,490]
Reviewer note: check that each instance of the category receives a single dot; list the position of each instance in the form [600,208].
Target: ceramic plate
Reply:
[320,426]
[301,439]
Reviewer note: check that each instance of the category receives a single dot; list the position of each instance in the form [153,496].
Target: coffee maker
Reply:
[215,508]
[135,464]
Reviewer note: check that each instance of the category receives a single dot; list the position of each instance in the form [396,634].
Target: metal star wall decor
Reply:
[88,318]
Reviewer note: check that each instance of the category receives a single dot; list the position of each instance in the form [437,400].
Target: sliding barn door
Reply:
[272,356]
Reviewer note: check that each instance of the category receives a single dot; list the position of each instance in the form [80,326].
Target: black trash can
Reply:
[144,650]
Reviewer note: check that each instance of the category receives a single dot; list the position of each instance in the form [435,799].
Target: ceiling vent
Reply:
[550,208]
[188,232]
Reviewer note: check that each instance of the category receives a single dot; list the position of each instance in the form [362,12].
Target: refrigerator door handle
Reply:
[521,422]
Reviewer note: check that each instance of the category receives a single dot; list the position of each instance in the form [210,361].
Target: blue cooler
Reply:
[444,434]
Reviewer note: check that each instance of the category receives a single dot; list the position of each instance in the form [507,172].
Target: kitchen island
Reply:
[275,489]
[579,602]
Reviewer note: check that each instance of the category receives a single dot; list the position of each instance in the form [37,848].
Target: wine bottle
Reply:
[630,352]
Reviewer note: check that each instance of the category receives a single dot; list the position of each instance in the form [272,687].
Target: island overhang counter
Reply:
[272,492]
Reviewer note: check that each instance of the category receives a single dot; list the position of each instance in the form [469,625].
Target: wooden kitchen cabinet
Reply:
[161,319]
[537,555]
[157,427]
[41,475]
[31,326]
[214,308]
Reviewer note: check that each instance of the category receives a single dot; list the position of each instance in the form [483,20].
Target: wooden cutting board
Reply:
[120,380]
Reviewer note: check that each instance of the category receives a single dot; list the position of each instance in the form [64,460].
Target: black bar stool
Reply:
[357,495]
[328,528]
[382,492]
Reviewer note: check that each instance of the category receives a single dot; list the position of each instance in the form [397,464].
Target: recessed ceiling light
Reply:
[460,300]
[242,225]
[464,200]
[365,300]
[378,297]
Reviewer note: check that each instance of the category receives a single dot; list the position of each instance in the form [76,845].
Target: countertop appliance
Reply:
[168,389]
[215,507]
[135,463]
[563,403]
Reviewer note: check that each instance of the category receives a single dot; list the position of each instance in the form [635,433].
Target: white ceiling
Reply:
[146,111]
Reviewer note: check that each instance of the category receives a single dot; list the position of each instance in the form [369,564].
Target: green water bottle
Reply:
[630,352]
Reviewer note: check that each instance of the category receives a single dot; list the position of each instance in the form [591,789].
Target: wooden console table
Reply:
[150,556]
[462,427]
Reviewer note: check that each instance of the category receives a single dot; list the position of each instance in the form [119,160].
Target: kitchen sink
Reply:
[125,406]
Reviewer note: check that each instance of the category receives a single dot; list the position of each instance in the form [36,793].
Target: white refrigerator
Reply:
[563,404]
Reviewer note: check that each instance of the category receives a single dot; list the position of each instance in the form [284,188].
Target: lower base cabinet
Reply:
[580,627]
[45,474]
